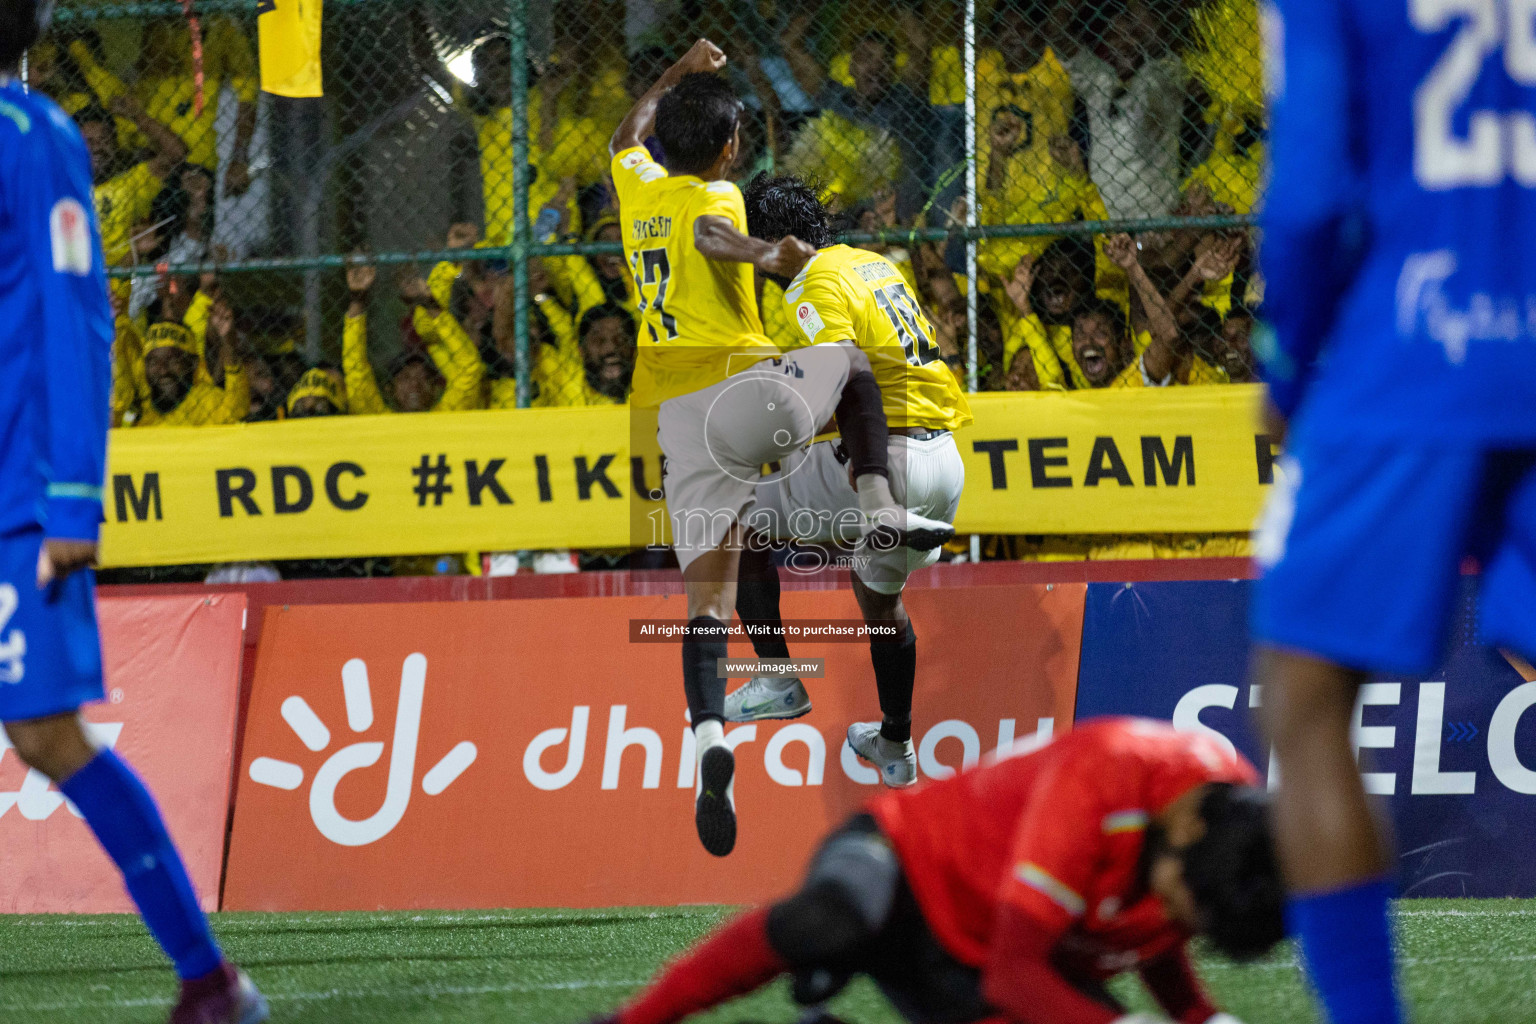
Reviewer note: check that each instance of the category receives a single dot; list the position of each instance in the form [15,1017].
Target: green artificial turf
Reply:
[1465,962]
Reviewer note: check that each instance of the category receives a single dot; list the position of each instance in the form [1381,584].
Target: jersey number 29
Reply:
[653,271]
[1497,142]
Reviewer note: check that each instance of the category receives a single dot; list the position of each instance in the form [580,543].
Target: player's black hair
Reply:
[786,205]
[1233,874]
[695,120]
[605,311]
[1108,311]
[22,23]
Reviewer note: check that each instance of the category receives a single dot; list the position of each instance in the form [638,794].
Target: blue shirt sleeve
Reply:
[63,247]
[1313,184]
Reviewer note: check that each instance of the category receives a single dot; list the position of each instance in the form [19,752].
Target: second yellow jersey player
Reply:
[848,294]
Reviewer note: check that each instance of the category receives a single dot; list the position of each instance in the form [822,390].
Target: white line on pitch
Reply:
[338,993]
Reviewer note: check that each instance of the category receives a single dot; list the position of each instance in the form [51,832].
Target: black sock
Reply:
[757,602]
[861,422]
[703,647]
[895,674]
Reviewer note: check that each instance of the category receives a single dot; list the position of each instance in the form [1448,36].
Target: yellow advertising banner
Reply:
[1175,460]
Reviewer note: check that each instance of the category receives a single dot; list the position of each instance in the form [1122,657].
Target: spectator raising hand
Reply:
[1020,282]
[1006,134]
[463,235]
[1163,354]
[360,278]
[1068,156]
[1216,257]
[414,290]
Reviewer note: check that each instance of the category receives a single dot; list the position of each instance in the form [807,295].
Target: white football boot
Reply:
[765,697]
[897,761]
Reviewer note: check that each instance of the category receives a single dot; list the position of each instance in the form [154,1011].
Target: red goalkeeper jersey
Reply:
[1032,864]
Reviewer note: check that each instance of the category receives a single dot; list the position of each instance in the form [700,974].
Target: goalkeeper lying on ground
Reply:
[1015,891]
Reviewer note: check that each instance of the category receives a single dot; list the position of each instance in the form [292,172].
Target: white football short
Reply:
[811,499]
[717,440]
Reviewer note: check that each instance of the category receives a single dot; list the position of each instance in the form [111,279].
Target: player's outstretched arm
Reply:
[717,238]
[637,124]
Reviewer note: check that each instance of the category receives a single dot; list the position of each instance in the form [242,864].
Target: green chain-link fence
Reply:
[1068,185]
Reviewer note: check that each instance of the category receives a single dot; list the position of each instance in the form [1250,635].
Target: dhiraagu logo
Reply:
[316,736]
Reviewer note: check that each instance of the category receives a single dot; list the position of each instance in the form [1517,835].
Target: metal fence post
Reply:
[520,227]
[971,315]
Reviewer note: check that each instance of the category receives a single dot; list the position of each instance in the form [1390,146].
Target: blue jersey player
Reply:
[55,349]
[1401,292]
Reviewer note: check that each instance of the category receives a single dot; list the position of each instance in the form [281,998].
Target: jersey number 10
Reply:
[911,326]
[1497,142]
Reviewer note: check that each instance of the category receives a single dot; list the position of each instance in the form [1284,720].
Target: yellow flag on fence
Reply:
[289,39]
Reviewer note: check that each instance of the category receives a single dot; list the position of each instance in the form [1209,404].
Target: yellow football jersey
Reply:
[168,87]
[579,150]
[1202,372]
[122,202]
[848,294]
[696,315]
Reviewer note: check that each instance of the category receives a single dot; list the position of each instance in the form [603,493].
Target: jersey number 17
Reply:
[653,272]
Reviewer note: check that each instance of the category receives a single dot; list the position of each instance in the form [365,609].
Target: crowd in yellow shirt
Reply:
[879,129]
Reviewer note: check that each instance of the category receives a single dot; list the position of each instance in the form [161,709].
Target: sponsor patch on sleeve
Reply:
[809,320]
[629,161]
[69,230]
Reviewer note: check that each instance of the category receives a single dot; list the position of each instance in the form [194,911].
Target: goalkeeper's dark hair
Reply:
[695,120]
[1233,874]
[786,205]
[22,23]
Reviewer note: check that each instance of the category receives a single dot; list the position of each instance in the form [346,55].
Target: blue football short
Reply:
[1364,541]
[50,651]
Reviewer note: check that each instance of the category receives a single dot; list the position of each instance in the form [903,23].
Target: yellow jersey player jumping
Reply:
[848,295]
[727,403]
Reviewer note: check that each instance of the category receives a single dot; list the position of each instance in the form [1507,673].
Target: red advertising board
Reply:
[173,676]
[526,753]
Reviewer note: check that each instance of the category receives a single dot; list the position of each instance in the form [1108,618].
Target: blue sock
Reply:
[127,823]
[1346,942]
